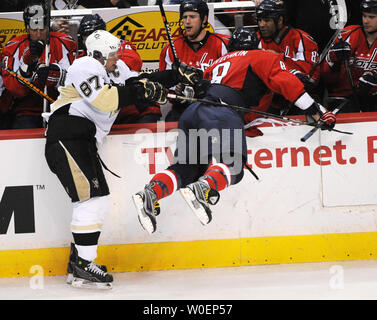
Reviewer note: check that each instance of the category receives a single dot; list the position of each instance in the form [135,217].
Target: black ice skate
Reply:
[199,196]
[147,208]
[72,260]
[86,274]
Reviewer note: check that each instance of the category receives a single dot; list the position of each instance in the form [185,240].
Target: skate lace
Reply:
[211,196]
[95,269]
[206,195]
[156,208]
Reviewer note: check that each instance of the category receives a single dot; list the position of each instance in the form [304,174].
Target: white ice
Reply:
[340,280]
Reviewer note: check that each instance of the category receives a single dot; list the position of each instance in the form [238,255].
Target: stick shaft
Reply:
[167,29]
[27,83]
[338,13]
[47,53]
[238,108]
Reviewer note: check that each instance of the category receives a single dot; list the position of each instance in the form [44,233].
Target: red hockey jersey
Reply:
[62,51]
[362,58]
[211,47]
[299,50]
[257,74]
[133,60]
[130,56]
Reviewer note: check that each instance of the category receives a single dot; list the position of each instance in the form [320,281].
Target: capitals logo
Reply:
[365,61]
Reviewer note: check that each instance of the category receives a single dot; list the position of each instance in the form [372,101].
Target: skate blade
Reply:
[145,221]
[86,284]
[195,205]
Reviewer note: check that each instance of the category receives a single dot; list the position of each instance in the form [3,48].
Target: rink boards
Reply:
[315,201]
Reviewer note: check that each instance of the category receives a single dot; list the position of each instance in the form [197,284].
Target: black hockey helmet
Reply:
[194,5]
[89,24]
[369,6]
[270,9]
[243,39]
[35,14]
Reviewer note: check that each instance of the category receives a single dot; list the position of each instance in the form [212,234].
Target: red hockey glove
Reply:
[327,117]
[51,76]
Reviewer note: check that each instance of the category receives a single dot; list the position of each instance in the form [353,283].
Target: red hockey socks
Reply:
[164,183]
[218,176]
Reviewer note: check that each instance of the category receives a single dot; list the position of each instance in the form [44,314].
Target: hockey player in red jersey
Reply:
[298,49]
[196,47]
[358,46]
[242,77]
[5,104]
[142,113]
[26,55]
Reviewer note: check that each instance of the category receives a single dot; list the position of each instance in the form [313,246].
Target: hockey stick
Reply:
[352,84]
[340,25]
[167,29]
[47,53]
[238,108]
[247,110]
[26,83]
[338,19]
[320,123]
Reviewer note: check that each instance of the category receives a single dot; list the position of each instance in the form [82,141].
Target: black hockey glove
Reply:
[367,81]
[201,88]
[30,58]
[151,91]
[339,52]
[186,74]
[35,51]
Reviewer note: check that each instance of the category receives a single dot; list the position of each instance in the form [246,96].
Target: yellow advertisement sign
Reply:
[146,31]
[9,29]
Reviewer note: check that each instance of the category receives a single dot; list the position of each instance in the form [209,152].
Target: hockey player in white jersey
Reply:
[81,117]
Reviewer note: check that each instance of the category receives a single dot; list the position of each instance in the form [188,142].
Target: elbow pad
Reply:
[126,95]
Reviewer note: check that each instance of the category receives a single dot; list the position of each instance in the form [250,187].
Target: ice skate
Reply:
[147,208]
[72,260]
[87,274]
[199,196]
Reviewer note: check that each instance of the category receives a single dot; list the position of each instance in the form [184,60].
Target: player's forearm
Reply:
[168,78]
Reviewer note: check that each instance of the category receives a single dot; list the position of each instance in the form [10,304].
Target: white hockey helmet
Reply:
[101,44]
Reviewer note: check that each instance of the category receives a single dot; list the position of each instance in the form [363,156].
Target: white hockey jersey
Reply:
[88,89]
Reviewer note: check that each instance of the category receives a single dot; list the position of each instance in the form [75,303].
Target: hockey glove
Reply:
[30,58]
[151,91]
[201,88]
[34,52]
[186,74]
[327,119]
[368,81]
[339,52]
[51,76]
